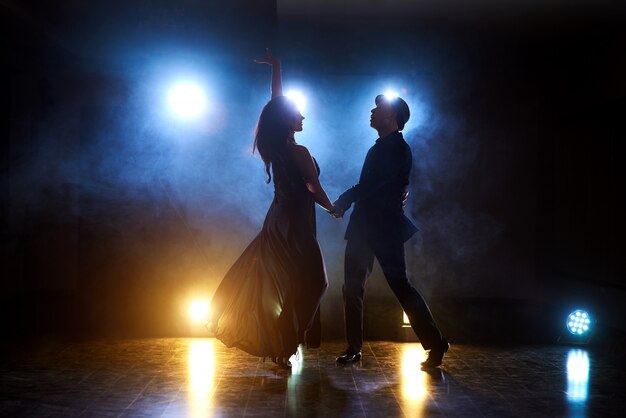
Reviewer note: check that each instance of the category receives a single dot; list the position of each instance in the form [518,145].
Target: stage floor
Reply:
[201,377]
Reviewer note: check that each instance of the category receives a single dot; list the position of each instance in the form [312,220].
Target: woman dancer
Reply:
[268,302]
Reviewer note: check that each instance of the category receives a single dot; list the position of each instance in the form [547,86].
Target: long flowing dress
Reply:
[268,302]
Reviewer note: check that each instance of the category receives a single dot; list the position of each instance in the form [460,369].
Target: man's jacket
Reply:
[378,209]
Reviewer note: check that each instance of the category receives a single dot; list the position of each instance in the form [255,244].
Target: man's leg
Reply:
[392,261]
[359,259]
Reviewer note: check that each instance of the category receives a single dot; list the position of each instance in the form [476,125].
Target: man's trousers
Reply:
[359,260]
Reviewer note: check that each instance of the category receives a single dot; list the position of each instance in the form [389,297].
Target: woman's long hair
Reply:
[273,131]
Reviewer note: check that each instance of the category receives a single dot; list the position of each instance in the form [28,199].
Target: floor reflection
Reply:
[414,384]
[201,376]
[577,381]
[296,362]
[294,386]
[180,377]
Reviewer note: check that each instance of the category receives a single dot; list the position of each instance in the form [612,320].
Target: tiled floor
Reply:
[201,377]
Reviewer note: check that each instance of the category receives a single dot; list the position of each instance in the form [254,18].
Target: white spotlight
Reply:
[187,100]
[298,98]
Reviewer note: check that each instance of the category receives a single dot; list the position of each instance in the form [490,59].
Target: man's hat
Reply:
[400,108]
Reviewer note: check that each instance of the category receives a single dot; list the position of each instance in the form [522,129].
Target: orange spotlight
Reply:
[199,310]
[406,331]
[405,320]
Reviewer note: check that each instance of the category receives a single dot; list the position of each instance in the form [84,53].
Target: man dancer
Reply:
[378,228]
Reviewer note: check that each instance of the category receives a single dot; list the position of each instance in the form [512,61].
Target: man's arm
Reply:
[346,199]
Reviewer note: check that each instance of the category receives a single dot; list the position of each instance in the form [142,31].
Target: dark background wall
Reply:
[114,215]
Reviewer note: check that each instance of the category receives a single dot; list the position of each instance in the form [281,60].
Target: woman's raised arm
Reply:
[277,78]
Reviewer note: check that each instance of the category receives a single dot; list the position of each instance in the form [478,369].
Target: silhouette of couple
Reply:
[268,302]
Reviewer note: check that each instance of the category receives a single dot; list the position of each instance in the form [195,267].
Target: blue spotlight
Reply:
[187,100]
[298,98]
[391,94]
[578,322]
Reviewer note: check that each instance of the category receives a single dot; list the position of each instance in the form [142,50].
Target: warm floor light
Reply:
[199,310]
[201,377]
[414,388]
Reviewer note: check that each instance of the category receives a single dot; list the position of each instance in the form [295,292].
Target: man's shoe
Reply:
[435,356]
[349,356]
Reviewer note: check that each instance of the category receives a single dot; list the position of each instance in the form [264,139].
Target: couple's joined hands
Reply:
[336,212]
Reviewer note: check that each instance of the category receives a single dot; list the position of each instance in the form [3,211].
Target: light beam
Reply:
[298,98]
[187,100]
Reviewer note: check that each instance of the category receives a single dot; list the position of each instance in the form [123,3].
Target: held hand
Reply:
[270,59]
[337,212]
